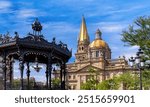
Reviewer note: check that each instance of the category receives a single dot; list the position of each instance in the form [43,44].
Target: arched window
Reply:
[82,48]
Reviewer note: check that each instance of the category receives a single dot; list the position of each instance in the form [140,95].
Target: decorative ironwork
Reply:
[28,75]
[37,27]
[6,38]
[32,48]
[37,67]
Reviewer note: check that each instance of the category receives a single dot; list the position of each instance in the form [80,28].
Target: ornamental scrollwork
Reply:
[5,38]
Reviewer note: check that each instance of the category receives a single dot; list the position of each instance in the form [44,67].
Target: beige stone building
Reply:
[95,54]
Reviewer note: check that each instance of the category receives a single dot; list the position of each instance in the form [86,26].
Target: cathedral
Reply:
[95,54]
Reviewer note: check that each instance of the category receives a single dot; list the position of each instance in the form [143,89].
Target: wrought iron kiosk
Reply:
[28,49]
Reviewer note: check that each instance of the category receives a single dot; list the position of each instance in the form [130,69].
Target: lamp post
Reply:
[132,63]
[139,63]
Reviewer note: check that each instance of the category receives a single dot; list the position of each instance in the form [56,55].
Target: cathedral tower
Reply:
[83,43]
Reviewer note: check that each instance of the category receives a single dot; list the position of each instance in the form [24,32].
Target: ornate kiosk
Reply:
[32,48]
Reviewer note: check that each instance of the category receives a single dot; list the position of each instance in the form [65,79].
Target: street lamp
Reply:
[132,61]
[139,63]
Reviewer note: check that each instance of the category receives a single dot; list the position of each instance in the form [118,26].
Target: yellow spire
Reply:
[83,36]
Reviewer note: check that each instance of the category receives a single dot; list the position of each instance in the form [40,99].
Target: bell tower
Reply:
[83,42]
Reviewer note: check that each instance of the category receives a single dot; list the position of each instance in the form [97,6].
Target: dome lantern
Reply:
[98,42]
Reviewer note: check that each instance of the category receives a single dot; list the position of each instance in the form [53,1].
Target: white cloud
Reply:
[5,4]
[129,9]
[25,13]
[134,47]
[126,51]
[60,27]
[62,31]
[115,11]
[112,28]
[131,51]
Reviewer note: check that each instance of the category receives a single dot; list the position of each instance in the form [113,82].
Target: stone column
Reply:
[28,75]
[21,67]
[78,82]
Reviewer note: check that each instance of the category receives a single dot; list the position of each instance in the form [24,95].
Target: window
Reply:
[97,53]
[82,48]
[69,76]
[82,58]
[74,77]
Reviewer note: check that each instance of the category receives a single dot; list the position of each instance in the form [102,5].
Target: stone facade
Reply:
[97,55]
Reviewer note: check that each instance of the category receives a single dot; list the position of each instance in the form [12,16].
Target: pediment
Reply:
[86,69]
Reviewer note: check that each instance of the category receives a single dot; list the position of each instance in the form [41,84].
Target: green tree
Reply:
[128,80]
[110,84]
[92,81]
[146,79]
[16,84]
[138,34]
[131,81]
[89,85]
[56,83]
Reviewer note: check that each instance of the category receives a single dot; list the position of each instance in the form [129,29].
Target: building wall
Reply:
[78,76]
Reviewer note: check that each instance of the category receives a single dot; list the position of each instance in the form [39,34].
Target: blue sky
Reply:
[62,19]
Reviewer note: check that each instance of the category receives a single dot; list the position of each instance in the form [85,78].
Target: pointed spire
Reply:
[83,36]
[98,34]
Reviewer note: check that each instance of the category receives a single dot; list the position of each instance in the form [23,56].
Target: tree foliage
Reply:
[16,84]
[89,85]
[128,81]
[110,84]
[138,34]
[146,79]
[56,83]
[92,81]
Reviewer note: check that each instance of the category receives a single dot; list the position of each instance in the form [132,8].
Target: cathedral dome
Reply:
[97,43]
